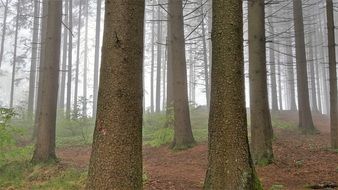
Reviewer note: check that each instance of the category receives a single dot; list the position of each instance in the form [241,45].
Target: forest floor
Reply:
[300,160]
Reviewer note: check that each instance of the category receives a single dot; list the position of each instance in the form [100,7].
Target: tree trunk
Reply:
[229,161]
[97,56]
[183,137]
[333,75]
[64,58]
[76,108]
[116,159]
[70,60]
[4,28]
[15,53]
[49,78]
[291,75]
[280,89]
[34,59]
[261,128]
[312,77]
[305,116]
[152,58]
[85,64]
[159,59]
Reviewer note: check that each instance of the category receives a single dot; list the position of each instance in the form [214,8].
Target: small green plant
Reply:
[276,187]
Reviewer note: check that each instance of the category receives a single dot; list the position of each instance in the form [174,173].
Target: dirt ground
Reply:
[300,161]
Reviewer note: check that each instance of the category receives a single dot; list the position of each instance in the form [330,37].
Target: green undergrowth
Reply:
[155,133]
[278,123]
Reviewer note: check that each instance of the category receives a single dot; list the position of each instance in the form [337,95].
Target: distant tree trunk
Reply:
[70,60]
[305,116]
[333,75]
[164,75]
[116,159]
[312,76]
[280,89]
[317,71]
[15,53]
[85,64]
[3,35]
[76,109]
[183,137]
[34,59]
[159,59]
[291,75]
[97,55]
[261,128]
[272,63]
[152,58]
[49,78]
[229,161]
[205,58]
[64,58]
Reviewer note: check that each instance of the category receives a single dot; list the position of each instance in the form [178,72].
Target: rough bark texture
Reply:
[183,137]
[49,78]
[116,159]
[229,162]
[261,129]
[333,75]
[305,116]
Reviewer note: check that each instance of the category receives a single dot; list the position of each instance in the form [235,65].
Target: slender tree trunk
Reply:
[261,128]
[3,35]
[333,74]
[116,159]
[229,161]
[70,60]
[159,59]
[152,58]
[183,137]
[85,64]
[280,88]
[317,71]
[97,56]
[76,109]
[64,58]
[15,53]
[34,59]
[164,75]
[291,75]
[312,77]
[49,78]
[305,116]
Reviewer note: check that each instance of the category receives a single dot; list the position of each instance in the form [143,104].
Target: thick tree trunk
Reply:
[97,56]
[70,60]
[3,35]
[261,128]
[183,137]
[305,116]
[229,161]
[116,159]
[15,53]
[34,59]
[48,88]
[333,74]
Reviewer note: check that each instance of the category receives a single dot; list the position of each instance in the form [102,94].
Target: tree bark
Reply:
[159,59]
[333,74]
[3,35]
[76,87]
[85,63]
[229,160]
[305,116]
[183,137]
[70,60]
[48,88]
[261,128]
[116,159]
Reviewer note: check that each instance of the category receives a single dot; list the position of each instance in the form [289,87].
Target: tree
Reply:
[48,88]
[116,159]
[183,136]
[229,160]
[70,60]
[305,116]
[4,28]
[333,74]
[159,58]
[261,128]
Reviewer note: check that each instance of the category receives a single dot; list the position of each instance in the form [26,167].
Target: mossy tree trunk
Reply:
[261,129]
[183,137]
[48,83]
[305,116]
[229,161]
[116,159]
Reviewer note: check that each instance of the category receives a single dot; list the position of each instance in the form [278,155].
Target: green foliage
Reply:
[277,187]
[154,132]
[277,123]
[6,131]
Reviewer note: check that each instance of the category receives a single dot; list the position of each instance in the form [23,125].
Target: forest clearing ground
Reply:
[300,160]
